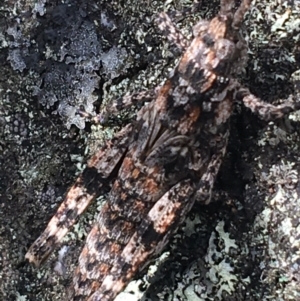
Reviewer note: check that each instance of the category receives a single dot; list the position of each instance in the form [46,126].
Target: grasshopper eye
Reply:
[200,28]
[224,54]
[225,49]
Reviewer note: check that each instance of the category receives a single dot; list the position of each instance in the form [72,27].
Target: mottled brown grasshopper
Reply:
[160,163]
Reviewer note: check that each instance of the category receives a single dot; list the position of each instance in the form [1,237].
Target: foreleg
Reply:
[115,106]
[119,104]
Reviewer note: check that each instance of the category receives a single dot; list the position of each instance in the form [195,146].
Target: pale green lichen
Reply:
[228,242]
[21,298]
[221,274]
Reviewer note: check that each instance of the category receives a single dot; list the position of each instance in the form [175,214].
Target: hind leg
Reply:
[92,182]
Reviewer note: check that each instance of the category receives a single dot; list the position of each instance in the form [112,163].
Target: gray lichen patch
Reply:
[68,48]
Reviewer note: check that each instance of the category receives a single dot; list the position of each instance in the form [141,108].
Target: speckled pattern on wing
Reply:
[162,162]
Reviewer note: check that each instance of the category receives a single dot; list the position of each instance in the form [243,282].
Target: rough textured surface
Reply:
[241,247]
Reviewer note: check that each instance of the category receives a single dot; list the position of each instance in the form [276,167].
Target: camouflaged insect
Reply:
[162,162]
